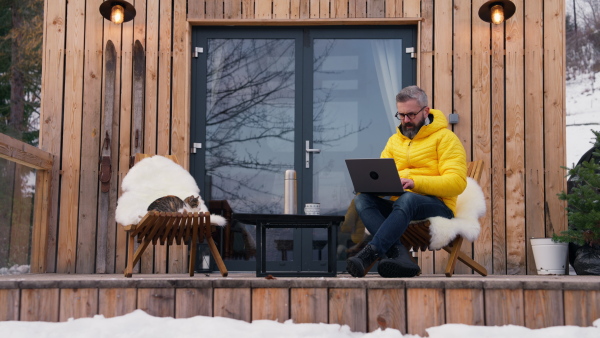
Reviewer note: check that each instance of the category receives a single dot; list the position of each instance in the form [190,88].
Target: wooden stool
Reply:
[165,227]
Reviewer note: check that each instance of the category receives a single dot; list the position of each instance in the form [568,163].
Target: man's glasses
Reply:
[410,116]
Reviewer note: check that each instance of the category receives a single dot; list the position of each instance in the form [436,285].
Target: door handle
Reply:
[308,151]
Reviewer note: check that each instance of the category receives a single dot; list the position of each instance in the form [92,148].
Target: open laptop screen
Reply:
[376,176]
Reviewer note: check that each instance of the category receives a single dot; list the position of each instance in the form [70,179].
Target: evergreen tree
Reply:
[21,29]
[584,201]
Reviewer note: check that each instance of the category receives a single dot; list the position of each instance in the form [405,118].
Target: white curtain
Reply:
[389,74]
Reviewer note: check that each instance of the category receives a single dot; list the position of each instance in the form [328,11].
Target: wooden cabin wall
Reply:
[506,82]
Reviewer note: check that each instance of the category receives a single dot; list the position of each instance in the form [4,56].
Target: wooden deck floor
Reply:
[408,304]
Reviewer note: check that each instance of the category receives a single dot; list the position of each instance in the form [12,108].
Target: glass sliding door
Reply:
[262,99]
[245,118]
[355,78]
[250,121]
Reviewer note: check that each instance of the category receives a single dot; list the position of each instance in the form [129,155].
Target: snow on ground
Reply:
[140,324]
[583,115]
[15,270]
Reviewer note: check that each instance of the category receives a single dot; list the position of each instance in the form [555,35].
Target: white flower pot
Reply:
[550,257]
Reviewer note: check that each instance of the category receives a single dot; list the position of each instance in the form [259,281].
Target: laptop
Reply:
[376,176]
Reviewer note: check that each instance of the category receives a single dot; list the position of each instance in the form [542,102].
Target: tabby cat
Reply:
[172,203]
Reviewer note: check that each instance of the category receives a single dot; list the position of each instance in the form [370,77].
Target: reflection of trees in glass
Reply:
[329,135]
[20,84]
[250,105]
[250,120]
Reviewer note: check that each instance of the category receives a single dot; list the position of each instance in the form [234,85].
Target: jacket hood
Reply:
[437,121]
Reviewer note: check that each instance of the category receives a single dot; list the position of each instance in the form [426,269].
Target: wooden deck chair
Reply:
[417,235]
[164,228]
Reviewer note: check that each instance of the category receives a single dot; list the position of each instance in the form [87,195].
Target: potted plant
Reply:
[583,198]
[550,256]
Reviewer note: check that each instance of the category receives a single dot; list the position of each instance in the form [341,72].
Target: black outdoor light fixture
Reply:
[117,11]
[497,11]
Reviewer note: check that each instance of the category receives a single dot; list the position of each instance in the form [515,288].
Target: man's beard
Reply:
[411,133]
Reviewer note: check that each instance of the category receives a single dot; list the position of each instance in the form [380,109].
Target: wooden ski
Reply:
[137,103]
[139,75]
[105,172]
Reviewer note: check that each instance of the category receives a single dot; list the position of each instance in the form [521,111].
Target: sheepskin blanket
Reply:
[152,178]
[470,206]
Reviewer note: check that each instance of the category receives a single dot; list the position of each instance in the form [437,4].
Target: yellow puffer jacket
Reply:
[434,159]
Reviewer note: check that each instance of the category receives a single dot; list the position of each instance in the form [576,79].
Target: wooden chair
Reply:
[165,227]
[417,235]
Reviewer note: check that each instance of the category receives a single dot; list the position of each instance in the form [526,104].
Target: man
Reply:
[431,162]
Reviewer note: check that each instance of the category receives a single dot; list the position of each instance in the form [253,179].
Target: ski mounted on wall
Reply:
[139,76]
[105,172]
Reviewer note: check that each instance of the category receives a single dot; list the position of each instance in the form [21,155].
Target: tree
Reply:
[584,201]
[21,29]
[583,38]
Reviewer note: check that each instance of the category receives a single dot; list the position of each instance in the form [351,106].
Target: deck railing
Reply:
[29,156]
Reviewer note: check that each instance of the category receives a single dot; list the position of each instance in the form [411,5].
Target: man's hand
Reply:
[407,183]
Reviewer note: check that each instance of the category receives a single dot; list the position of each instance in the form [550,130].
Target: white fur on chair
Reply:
[152,178]
[469,207]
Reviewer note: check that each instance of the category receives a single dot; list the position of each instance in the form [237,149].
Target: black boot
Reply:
[360,264]
[398,264]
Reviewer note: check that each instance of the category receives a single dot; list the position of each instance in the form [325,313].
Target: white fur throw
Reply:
[152,178]
[470,205]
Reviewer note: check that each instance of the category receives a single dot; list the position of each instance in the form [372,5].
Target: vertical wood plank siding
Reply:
[534,124]
[150,114]
[501,80]
[441,98]
[462,85]
[90,141]
[310,305]
[386,309]
[533,303]
[9,310]
[71,147]
[78,303]
[554,112]
[51,112]
[515,149]
[425,79]
[116,302]
[481,128]
[125,122]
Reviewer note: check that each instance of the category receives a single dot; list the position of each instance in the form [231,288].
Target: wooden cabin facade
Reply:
[507,83]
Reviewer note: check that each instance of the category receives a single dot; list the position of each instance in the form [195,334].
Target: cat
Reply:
[172,203]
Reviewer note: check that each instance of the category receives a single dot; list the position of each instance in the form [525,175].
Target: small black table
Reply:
[281,221]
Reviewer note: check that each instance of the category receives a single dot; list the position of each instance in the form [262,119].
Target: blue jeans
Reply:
[387,220]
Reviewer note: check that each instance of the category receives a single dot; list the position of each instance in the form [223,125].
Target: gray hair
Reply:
[412,93]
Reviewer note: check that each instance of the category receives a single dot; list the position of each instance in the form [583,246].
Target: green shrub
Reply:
[583,201]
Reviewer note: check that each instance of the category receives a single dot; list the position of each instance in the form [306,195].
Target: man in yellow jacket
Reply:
[431,162]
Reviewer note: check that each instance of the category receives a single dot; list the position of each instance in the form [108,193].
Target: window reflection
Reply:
[355,83]
[16,216]
[250,121]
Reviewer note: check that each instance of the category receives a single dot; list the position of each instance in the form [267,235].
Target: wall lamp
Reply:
[497,11]
[117,11]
